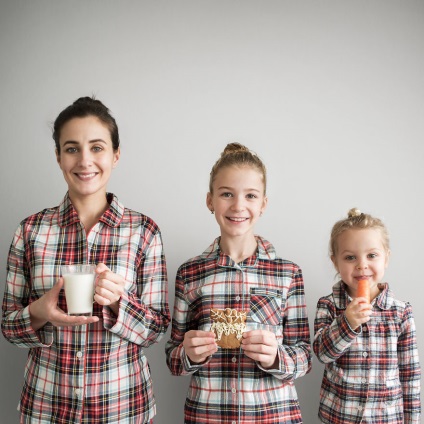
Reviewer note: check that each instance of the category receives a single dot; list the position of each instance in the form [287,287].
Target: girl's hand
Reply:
[45,310]
[261,346]
[358,312]
[199,345]
[109,287]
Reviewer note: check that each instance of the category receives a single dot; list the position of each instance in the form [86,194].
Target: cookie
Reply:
[228,326]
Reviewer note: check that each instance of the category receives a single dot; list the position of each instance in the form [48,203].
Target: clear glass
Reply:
[79,283]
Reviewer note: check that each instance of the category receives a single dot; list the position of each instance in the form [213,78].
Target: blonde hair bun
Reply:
[232,148]
[354,212]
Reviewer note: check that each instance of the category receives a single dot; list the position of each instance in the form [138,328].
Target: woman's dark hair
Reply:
[81,108]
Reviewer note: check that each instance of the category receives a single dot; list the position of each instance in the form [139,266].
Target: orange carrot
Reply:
[363,290]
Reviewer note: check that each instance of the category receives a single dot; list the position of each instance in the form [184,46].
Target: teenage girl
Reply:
[86,369]
[372,372]
[239,270]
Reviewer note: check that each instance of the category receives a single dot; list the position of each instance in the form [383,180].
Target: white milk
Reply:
[79,292]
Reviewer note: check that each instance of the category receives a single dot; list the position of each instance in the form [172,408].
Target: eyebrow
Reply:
[230,188]
[96,140]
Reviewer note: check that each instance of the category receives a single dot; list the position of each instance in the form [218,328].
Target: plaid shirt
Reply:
[93,373]
[230,387]
[371,375]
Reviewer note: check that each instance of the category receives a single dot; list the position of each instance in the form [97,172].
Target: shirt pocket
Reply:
[265,306]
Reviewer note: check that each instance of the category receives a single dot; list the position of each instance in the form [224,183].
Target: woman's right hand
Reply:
[45,310]
[358,312]
[199,345]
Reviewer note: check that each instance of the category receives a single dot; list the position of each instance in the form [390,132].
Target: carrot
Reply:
[363,290]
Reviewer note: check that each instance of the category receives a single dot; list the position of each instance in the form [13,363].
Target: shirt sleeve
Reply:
[176,358]
[16,322]
[409,368]
[294,352]
[333,335]
[144,315]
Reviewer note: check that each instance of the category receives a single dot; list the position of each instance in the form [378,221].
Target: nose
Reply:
[238,204]
[85,158]
[362,264]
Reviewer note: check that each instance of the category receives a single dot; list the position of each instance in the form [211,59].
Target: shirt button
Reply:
[364,380]
[79,355]
[360,408]
[238,298]
[233,422]
[234,359]
[364,354]
[234,390]
[77,392]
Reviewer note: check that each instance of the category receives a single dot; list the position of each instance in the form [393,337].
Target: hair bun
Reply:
[232,148]
[354,212]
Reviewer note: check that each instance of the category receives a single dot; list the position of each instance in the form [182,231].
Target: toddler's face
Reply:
[360,255]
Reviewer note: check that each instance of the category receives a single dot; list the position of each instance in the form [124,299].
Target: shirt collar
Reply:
[111,217]
[341,298]
[265,251]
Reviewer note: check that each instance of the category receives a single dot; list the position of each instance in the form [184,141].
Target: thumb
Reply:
[57,287]
[101,267]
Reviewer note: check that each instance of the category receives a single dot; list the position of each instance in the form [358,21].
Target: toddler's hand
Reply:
[198,345]
[358,312]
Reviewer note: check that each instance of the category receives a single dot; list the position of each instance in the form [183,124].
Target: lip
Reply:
[236,219]
[363,277]
[85,176]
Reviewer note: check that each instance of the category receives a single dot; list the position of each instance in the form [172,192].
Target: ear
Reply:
[333,259]
[57,157]
[264,204]
[209,202]
[116,156]
[386,264]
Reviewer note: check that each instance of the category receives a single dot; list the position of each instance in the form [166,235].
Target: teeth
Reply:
[87,175]
[238,219]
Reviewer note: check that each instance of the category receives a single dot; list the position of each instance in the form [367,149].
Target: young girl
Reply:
[240,271]
[96,372]
[372,372]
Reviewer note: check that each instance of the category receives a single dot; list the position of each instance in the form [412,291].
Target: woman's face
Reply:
[86,156]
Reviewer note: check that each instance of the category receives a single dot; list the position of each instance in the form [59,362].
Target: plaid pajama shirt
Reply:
[371,375]
[230,387]
[95,373]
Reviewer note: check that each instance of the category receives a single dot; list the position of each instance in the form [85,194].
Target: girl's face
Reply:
[361,255]
[86,156]
[238,200]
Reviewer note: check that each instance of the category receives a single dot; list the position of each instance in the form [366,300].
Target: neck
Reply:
[89,208]
[239,248]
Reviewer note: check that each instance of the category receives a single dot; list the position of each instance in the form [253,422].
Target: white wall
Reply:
[329,93]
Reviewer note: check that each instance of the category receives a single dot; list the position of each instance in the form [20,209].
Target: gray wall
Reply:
[329,93]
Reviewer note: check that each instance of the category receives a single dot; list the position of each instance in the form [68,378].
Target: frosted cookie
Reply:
[228,326]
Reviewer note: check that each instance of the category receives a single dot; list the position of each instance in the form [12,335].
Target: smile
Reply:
[86,176]
[237,219]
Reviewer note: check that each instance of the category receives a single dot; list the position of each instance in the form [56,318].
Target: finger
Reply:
[102,300]
[101,267]
[200,333]
[57,287]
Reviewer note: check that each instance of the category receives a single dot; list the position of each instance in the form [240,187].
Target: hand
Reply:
[358,312]
[261,346]
[199,345]
[109,287]
[45,310]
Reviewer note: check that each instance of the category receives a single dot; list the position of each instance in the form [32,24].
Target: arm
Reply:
[143,316]
[409,368]
[333,335]
[176,356]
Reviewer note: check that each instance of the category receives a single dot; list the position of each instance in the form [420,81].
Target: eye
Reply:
[349,258]
[71,150]
[372,255]
[251,196]
[97,148]
[227,194]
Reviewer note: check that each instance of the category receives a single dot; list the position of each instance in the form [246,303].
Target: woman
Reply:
[87,369]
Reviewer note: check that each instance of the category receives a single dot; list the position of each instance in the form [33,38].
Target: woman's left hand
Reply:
[109,287]
[261,346]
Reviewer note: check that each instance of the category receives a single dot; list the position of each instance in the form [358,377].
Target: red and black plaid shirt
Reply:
[96,373]
[230,387]
[372,375]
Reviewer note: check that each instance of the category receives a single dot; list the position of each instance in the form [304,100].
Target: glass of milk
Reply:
[79,288]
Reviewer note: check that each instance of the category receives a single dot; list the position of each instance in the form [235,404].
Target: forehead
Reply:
[84,129]
[352,239]
[235,175]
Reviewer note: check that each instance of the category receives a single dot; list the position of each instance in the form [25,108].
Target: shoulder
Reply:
[47,216]
[138,220]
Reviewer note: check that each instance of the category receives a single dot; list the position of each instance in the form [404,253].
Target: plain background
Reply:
[329,93]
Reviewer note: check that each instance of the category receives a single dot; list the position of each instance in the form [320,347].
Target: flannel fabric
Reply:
[230,387]
[372,374]
[95,373]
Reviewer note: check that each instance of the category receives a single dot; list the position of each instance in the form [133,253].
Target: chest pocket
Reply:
[265,306]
